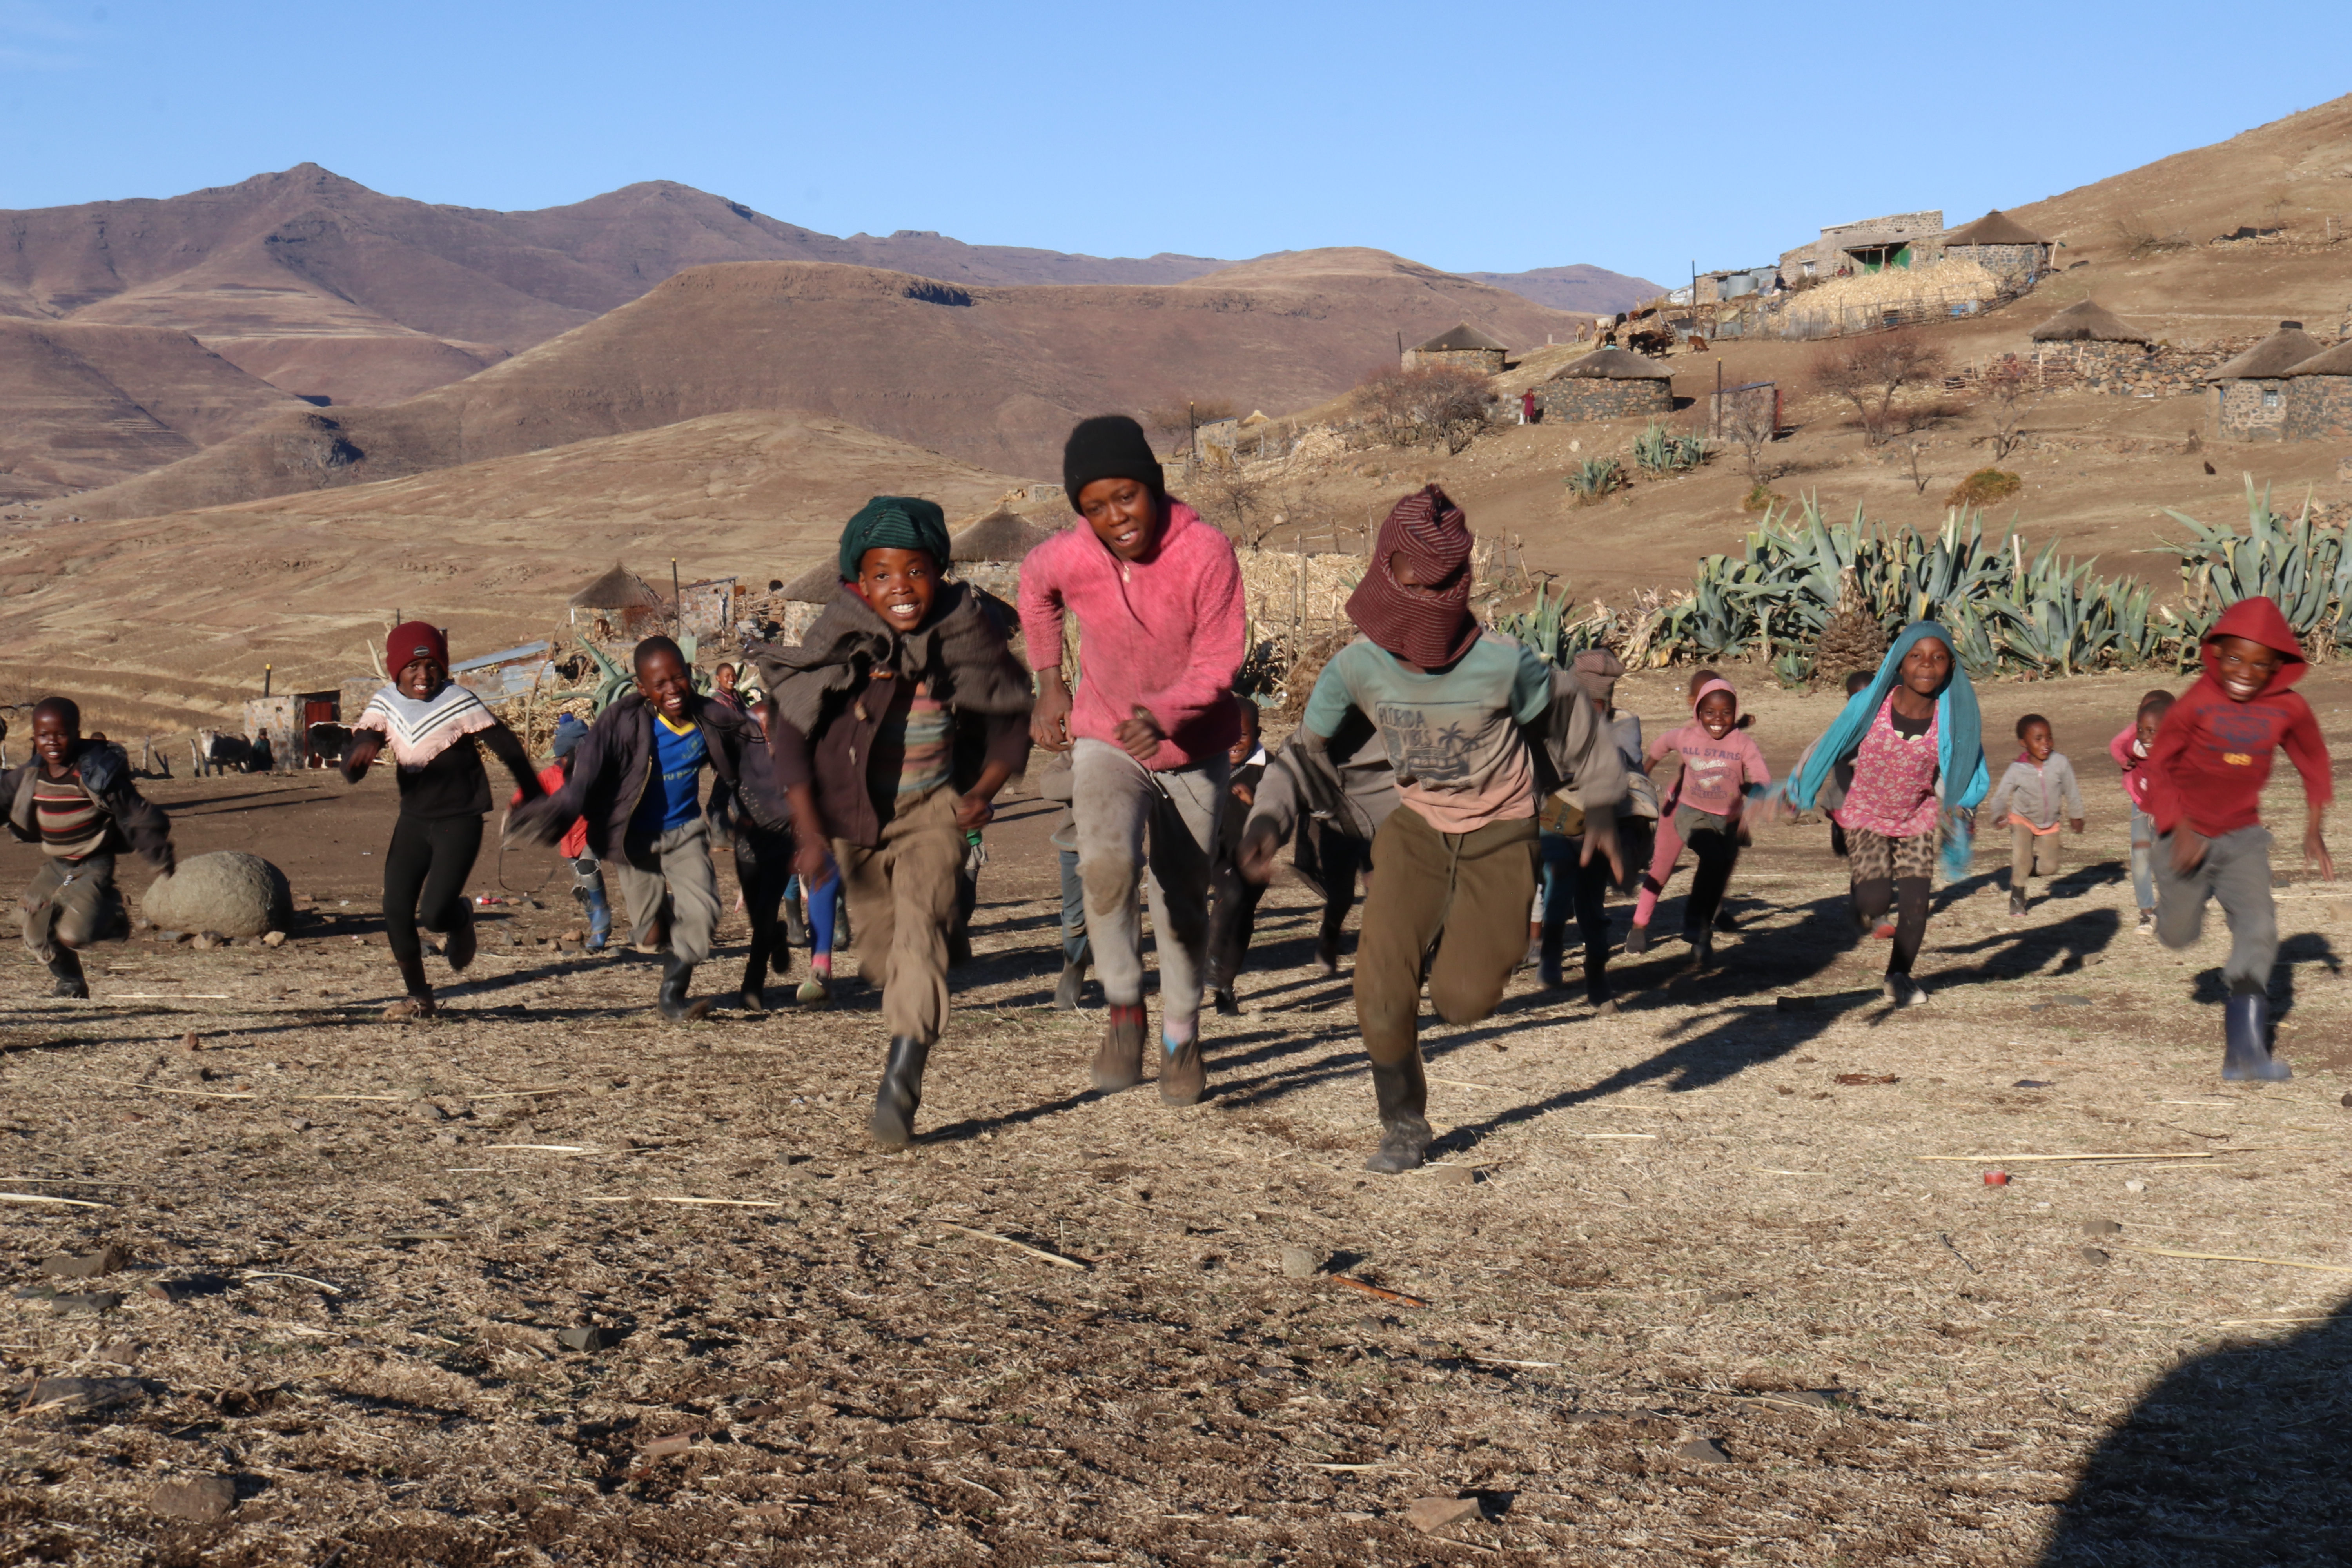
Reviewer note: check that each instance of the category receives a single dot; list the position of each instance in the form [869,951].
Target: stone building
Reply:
[1608,383]
[2003,246]
[2318,404]
[2250,391]
[621,604]
[1461,345]
[1898,239]
[2090,342]
[988,553]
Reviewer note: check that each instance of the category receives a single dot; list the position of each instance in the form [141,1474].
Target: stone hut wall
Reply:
[2015,264]
[2318,408]
[1575,398]
[2254,409]
[1485,361]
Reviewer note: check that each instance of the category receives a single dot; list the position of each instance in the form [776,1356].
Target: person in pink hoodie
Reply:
[1721,767]
[2130,751]
[1158,597]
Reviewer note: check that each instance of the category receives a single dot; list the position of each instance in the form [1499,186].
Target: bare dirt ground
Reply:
[1059,1329]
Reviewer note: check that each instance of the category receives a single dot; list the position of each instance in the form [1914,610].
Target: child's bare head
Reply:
[2034,730]
[57,725]
[1855,679]
[1252,726]
[898,586]
[2153,707]
[663,679]
[1698,678]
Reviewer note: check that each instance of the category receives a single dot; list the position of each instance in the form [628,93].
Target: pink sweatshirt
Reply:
[1164,633]
[2124,748]
[1715,772]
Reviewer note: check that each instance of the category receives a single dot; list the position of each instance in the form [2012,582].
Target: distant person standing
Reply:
[1158,596]
[1527,406]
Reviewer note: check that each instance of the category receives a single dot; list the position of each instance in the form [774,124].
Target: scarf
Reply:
[1959,742]
[959,650]
[1431,626]
[415,733]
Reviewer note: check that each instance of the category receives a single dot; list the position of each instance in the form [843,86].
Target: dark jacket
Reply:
[611,767]
[137,823]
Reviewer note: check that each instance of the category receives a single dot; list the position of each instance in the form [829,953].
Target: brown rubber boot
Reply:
[1118,1061]
[1404,1095]
[1184,1077]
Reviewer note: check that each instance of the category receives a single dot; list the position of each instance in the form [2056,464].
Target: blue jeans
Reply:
[2143,852]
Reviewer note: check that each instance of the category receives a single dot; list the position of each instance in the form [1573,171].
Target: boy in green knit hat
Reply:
[893,725]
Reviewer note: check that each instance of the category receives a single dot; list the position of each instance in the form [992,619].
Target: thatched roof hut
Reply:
[2274,356]
[2336,360]
[1615,364]
[1002,535]
[1996,228]
[2318,397]
[2087,321]
[1608,383]
[817,585]
[1463,345]
[619,589]
[1462,337]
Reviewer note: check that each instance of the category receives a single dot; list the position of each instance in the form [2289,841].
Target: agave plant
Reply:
[1594,477]
[1660,451]
[2303,567]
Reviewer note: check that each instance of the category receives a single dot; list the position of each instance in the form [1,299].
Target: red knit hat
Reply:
[413,640]
[1430,624]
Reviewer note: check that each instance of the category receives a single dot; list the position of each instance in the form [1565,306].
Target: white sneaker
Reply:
[1901,991]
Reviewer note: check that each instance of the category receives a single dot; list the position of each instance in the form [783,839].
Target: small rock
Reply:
[1297,1263]
[2033,1083]
[1430,1514]
[121,1352]
[452,1138]
[206,941]
[2067,1001]
[1371,1325]
[206,1499]
[73,1394]
[33,1293]
[663,1448]
[274,939]
[188,1042]
[1452,1176]
[2093,1255]
[2346,1103]
[426,1110]
[1722,1297]
[2102,1227]
[173,936]
[1704,1451]
[87,1301]
[88,1266]
[2134,1185]
[589,1337]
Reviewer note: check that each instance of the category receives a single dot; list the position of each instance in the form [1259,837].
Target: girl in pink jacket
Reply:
[2130,749]
[1721,767]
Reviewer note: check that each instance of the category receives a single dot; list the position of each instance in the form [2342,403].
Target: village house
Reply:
[2090,343]
[1898,239]
[2003,246]
[2250,391]
[2318,403]
[1461,345]
[1608,383]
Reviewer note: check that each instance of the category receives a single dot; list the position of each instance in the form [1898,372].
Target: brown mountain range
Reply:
[993,376]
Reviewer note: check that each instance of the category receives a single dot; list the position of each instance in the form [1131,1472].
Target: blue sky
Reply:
[1496,137]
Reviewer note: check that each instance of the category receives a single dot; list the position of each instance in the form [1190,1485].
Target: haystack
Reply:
[1996,228]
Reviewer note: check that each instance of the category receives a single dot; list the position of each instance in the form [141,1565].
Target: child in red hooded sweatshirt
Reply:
[2205,777]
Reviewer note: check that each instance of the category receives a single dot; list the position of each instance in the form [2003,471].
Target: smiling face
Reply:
[2150,721]
[421,679]
[1718,711]
[1244,749]
[53,737]
[2245,667]
[2038,742]
[664,682]
[898,586]
[1928,666]
[1124,515]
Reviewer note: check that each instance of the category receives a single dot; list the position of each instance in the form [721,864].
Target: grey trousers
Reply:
[671,877]
[2237,871]
[71,903]
[1117,805]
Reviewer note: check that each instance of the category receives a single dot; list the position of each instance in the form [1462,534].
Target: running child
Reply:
[435,730]
[2206,771]
[1721,768]
[1158,596]
[2028,798]
[1566,881]
[1233,910]
[587,873]
[1476,732]
[893,725]
[74,797]
[1917,749]
[636,778]
[2130,749]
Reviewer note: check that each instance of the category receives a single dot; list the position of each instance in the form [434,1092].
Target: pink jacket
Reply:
[1164,633]
[1715,773]
[2135,773]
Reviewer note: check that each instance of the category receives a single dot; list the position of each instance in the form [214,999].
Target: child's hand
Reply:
[1254,858]
[974,812]
[1243,794]
[2188,849]
[811,864]
[1049,719]
[1140,736]
[2315,849]
[2076,825]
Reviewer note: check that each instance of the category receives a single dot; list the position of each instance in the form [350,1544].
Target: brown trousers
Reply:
[1467,892]
[902,899]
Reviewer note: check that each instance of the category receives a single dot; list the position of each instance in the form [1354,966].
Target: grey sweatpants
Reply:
[2237,871]
[671,876]
[1115,801]
[71,903]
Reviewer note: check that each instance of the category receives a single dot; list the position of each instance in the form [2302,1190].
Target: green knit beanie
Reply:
[894,522]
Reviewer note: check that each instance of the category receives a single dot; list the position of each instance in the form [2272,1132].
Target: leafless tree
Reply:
[1175,420]
[1872,372]
[2010,396]
[1237,502]
[1750,422]
[1447,400]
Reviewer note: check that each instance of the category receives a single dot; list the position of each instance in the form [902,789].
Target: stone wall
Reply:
[2254,409]
[1576,398]
[2318,407]
[1485,361]
[2013,264]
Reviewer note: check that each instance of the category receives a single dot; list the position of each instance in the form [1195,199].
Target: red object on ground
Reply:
[1996,1178]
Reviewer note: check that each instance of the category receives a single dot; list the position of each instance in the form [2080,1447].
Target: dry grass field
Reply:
[1683,1287]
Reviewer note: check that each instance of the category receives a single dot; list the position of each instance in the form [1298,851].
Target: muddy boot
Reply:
[1548,949]
[1702,942]
[676,978]
[1066,989]
[893,1123]
[2246,1026]
[1118,1061]
[1227,1005]
[1183,1078]
[755,981]
[1403,1096]
[67,967]
[2017,903]
[460,945]
[1596,979]
[420,1003]
[1637,940]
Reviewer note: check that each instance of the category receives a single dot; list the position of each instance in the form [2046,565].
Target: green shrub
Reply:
[1983,488]
[1594,477]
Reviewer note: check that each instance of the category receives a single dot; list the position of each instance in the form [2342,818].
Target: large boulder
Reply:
[227,891]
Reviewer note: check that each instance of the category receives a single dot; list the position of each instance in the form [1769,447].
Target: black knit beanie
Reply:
[1109,446]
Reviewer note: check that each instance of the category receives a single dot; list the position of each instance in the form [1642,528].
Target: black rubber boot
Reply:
[795,923]
[2246,1027]
[1065,990]
[420,989]
[2017,903]
[895,1103]
[461,944]
[1553,944]
[1227,1005]
[676,978]
[67,967]
[1702,942]
[1403,1096]
[1596,979]
[1637,940]
[755,980]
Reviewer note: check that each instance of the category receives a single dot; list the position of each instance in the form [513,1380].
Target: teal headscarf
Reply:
[1959,741]
[894,522]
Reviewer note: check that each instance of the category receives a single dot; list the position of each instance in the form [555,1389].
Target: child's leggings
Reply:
[824,911]
[1662,867]
[1892,873]
[1715,842]
[424,873]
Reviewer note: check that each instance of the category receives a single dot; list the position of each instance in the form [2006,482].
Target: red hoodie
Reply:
[2212,754]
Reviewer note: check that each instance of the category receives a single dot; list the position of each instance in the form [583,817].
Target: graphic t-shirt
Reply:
[1453,737]
[1715,773]
[669,798]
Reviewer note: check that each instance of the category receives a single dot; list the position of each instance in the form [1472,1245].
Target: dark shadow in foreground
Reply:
[2237,1457]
